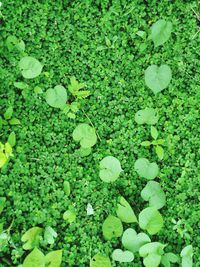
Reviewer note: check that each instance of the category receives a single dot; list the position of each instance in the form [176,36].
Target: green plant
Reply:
[187,255]
[110,169]
[30,67]
[57,97]
[147,115]
[112,227]
[8,117]
[146,169]
[124,211]
[32,238]
[169,258]
[70,215]
[160,32]
[100,261]
[122,256]
[14,44]
[5,153]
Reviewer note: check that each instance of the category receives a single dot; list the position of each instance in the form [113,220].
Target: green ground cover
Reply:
[99,43]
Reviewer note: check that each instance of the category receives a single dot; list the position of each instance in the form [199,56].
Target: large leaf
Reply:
[32,237]
[110,169]
[187,255]
[85,134]
[57,97]
[125,212]
[158,78]
[30,67]
[35,259]
[160,32]
[146,169]
[53,259]
[169,258]
[50,235]
[100,261]
[112,227]
[147,115]
[122,256]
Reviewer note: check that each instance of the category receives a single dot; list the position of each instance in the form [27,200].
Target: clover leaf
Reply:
[122,256]
[158,78]
[49,235]
[54,258]
[146,169]
[110,169]
[30,67]
[85,134]
[151,220]
[112,227]
[147,115]
[167,258]
[160,32]
[125,212]
[187,254]
[154,194]
[133,241]
[32,237]
[100,261]
[57,97]
[35,259]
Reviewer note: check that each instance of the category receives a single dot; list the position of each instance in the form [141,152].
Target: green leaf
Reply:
[30,67]
[69,216]
[158,142]
[67,188]
[20,46]
[112,227]
[154,132]
[152,260]
[35,259]
[8,113]
[14,121]
[100,261]
[85,134]
[3,159]
[11,42]
[147,115]
[167,258]
[154,194]
[133,241]
[21,85]
[122,256]
[2,203]
[146,169]
[12,139]
[75,86]
[84,152]
[49,235]
[110,169]
[159,152]
[146,143]
[161,32]
[124,211]
[32,238]
[57,97]
[53,259]
[158,78]
[187,255]
[38,90]
[150,220]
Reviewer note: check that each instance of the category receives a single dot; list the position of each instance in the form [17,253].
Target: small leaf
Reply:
[187,255]
[2,203]
[110,169]
[21,85]
[3,159]
[12,139]
[85,134]
[125,212]
[112,227]
[154,132]
[32,238]
[159,152]
[122,256]
[161,32]
[147,115]
[146,143]
[38,90]
[53,259]
[49,235]
[167,258]
[100,261]
[146,169]
[84,152]
[14,121]
[8,113]
[89,209]
[57,97]
[35,259]
[69,216]
[67,188]
[30,67]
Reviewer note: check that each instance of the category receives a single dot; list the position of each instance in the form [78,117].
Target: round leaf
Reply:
[158,78]
[30,67]
[161,31]
[151,220]
[56,97]
[110,169]
[147,115]
[85,134]
[112,227]
[35,259]
[125,212]
[122,256]
[100,261]
[146,169]
[54,258]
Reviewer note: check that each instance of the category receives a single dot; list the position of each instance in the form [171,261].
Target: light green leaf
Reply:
[110,169]
[57,97]
[159,152]
[21,85]
[124,211]
[154,132]
[112,227]
[3,159]
[8,113]
[122,256]
[133,241]
[187,255]
[35,259]
[2,203]
[53,259]
[85,134]
[152,260]
[161,32]
[158,78]
[146,143]
[49,235]
[84,152]
[30,67]
[167,258]
[69,216]
[32,238]
[67,188]
[154,194]
[147,115]
[14,121]
[75,88]
[100,261]
[38,90]
[150,220]
[12,139]
[146,169]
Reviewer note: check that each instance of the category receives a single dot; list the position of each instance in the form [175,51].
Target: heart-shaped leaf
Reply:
[30,67]
[110,169]
[154,194]
[187,255]
[158,78]
[167,258]
[100,261]
[160,32]
[147,115]
[122,256]
[146,169]
[133,241]
[57,97]
[49,235]
[151,220]
[32,238]
[85,134]
[112,227]
[53,259]
[35,259]
[125,212]
[69,215]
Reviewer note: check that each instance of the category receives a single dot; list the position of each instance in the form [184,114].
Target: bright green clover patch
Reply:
[169,258]
[146,169]
[125,212]
[122,256]
[53,259]
[100,261]
[150,220]
[154,194]
[187,255]
[35,259]
[112,227]
[32,238]
[133,241]
[85,134]
[158,78]
[147,115]
[50,235]
[57,97]
[110,169]
[30,67]
[161,32]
